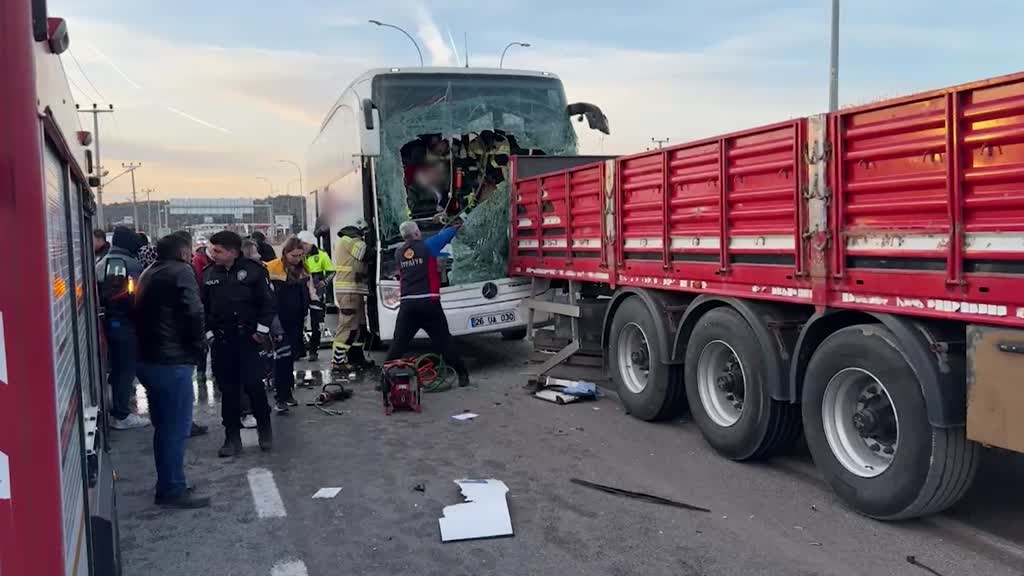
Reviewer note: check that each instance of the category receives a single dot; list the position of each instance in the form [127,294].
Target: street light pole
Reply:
[132,167]
[409,36]
[501,61]
[833,66]
[302,191]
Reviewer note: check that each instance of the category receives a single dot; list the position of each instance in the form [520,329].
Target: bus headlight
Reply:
[390,296]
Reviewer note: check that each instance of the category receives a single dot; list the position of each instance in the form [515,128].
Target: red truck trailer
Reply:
[858,276]
[57,505]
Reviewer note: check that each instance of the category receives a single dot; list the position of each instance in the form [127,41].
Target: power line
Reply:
[79,88]
[84,75]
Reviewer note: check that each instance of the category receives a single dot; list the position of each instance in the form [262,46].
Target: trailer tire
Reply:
[856,377]
[647,387]
[723,345]
[514,333]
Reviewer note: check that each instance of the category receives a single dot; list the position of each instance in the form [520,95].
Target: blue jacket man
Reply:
[420,283]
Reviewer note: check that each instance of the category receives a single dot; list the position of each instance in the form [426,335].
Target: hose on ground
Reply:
[434,375]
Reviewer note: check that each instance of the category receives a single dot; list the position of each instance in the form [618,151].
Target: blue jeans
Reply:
[169,389]
[123,346]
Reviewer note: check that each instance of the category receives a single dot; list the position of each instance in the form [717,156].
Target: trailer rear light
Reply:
[391,296]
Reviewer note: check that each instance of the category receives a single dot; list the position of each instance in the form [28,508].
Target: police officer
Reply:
[320,267]
[350,292]
[420,284]
[239,312]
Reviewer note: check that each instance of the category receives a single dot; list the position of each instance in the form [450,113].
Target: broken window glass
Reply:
[446,144]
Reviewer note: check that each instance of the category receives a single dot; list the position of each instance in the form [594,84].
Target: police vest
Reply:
[351,270]
[319,263]
[417,271]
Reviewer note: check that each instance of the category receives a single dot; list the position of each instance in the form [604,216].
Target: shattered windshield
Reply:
[446,141]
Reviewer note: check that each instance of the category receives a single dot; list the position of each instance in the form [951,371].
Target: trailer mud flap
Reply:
[995,391]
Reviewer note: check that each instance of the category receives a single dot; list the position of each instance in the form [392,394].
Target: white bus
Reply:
[424,142]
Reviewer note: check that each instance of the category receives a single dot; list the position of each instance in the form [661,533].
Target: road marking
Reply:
[289,568]
[265,495]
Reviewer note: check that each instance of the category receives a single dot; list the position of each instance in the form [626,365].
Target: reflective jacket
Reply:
[319,263]
[349,253]
[292,295]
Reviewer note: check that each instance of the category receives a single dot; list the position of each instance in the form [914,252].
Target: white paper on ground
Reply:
[327,492]
[465,416]
[484,514]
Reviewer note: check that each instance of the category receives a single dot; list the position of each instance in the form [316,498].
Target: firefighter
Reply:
[420,284]
[239,309]
[320,267]
[350,252]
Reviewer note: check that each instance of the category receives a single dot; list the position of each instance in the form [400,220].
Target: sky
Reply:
[211,95]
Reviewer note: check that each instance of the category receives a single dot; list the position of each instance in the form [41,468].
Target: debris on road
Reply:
[419,488]
[561,391]
[912,560]
[484,514]
[327,493]
[638,495]
[464,416]
[555,396]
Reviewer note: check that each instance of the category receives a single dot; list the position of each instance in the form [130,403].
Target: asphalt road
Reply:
[774,518]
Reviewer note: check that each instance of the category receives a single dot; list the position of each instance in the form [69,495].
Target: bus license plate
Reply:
[492,319]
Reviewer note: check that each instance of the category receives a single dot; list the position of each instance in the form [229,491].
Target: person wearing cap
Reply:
[320,267]
[350,292]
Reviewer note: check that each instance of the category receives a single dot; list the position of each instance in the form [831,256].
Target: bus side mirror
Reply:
[595,117]
[370,133]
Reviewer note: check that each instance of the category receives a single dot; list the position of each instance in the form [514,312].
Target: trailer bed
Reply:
[909,206]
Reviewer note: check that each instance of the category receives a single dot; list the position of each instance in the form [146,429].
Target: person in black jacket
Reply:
[239,308]
[119,327]
[263,247]
[293,291]
[171,339]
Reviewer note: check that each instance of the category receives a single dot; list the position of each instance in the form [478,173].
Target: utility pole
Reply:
[96,111]
[132,167]
[659,142]
[149,210]
[833,65]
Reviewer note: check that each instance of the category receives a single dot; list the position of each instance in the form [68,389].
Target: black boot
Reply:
[232,444]
[198,430]
[266,435]
[184,501]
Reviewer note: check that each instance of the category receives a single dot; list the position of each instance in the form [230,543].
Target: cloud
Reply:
[437,47]
[203,118]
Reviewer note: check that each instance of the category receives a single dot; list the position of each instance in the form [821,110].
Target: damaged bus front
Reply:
[431,145]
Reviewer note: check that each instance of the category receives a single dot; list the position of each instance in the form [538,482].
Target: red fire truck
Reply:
[57,505]
[857,276]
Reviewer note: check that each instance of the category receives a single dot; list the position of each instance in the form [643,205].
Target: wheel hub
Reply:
[875,419]
[640,359]
[634,356]
[721,383]
[860,422]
